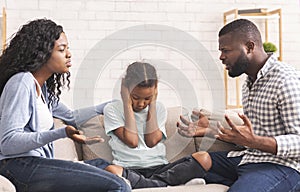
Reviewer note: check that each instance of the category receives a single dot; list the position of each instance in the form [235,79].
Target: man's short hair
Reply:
[243,29]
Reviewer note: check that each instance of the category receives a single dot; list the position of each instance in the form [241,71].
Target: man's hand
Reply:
[243,135]
[199,127]
[78,136]
[238,134]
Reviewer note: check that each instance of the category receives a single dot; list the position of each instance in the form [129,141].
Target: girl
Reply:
[136,126]
[34,67]
[137,131]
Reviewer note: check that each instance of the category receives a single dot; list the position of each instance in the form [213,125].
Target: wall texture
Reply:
[178,36]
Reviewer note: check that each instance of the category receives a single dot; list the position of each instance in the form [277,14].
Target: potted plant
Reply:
[269,47]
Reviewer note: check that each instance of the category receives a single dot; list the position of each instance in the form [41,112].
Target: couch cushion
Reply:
[189,188]
[92,127]
[211,144]
[176,145]
[65,148]
[6,185]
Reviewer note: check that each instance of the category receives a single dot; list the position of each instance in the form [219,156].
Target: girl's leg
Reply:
[136,179]
[223,169]
[34,174]
[184,169]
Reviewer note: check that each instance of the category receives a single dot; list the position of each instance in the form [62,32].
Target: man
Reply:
[270,130]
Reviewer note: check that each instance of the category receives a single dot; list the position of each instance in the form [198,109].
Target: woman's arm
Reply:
[76,117]
[18,131]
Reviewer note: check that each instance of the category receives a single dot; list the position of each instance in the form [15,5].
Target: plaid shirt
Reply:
[272,103]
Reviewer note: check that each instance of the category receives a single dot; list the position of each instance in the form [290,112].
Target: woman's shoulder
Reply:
[22,77]
[19,84]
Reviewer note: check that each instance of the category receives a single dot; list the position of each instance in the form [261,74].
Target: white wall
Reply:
[186,79]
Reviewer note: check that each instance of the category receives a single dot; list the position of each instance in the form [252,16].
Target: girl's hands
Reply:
[154,98]
[78,136]
[125,93]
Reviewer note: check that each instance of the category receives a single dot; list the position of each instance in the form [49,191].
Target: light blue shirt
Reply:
[142,156]
[20,133]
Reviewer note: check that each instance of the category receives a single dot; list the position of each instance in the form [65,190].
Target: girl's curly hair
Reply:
[28,50]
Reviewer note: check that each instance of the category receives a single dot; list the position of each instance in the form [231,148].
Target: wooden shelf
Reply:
[3,28]
[252,11]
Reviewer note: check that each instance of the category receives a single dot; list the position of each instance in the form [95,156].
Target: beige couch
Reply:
[177,147]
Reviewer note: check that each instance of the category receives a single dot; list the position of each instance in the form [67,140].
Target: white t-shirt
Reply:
[45,119]
[141,156]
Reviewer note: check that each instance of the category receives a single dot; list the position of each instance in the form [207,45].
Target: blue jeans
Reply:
[35,174]
[176,173]
[267,177]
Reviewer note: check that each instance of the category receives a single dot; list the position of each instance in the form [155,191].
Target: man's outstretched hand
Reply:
[199,127]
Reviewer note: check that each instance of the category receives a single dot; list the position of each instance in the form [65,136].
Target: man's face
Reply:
[233,55]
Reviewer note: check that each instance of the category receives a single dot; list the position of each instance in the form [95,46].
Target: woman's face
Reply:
[60,59]
[141,97]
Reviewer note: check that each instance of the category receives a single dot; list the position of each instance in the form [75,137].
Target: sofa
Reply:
[176,146]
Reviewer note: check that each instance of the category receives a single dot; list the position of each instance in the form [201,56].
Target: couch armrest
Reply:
[211,144]
[6,185]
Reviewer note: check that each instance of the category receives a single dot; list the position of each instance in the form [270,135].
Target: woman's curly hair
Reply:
[28,50]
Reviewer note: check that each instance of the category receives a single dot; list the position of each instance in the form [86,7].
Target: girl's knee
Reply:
[203,158]
[115,169]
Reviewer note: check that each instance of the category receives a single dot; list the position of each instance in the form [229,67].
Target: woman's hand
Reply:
[78,136]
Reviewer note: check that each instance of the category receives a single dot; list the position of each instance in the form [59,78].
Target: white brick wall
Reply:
[88,22]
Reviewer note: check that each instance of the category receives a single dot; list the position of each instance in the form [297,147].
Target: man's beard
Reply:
[240,66]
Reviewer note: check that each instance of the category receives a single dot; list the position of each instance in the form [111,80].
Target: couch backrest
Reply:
[176,145]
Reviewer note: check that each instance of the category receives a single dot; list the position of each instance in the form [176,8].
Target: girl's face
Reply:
[60,59]
[141,97]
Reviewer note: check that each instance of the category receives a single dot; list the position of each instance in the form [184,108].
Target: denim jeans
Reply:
[176,173]
[35,174]
[267,177]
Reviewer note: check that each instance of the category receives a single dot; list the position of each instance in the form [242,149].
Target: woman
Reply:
[34,67]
